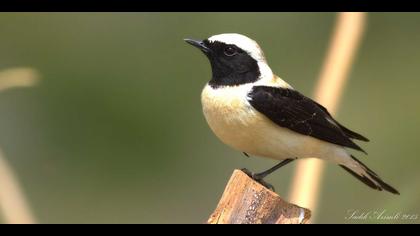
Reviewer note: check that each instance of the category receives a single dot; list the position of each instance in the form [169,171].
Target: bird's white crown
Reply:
[243,42]
[249,46]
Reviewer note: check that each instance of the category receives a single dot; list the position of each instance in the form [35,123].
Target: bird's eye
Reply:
[230,51]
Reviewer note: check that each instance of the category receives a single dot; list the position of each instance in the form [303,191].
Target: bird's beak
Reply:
[198,44]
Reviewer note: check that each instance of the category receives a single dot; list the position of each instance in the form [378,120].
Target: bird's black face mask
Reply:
[230,64]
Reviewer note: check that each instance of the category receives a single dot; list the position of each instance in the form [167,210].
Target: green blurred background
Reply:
[114,132]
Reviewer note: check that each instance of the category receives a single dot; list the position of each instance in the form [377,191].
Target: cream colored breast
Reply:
[228,104]
[228,113]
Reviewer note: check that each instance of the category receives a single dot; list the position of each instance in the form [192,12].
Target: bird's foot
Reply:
[259,178]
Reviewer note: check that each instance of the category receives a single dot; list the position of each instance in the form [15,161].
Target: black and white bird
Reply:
[256,112]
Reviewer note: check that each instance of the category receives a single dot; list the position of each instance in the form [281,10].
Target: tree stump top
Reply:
[246,201]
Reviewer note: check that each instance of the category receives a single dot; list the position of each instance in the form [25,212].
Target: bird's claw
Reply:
[258,178]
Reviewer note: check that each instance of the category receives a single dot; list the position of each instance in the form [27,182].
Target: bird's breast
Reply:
[230,116]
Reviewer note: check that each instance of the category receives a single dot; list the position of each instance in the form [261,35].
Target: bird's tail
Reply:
[367,176]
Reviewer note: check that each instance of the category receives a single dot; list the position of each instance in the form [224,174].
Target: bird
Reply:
[254,111]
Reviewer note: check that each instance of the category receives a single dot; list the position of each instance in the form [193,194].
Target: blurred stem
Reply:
[12,201]
[18,77]
[13,204]
[346,37]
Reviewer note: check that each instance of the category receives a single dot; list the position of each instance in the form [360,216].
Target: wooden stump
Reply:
[246,201]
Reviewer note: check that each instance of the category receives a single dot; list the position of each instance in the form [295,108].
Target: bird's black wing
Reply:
[290,109]
[347,132]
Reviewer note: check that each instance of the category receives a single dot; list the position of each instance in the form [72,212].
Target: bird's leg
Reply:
[261,181]
[262,175]
[259,177]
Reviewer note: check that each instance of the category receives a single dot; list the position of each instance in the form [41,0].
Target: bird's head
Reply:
[235,59]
